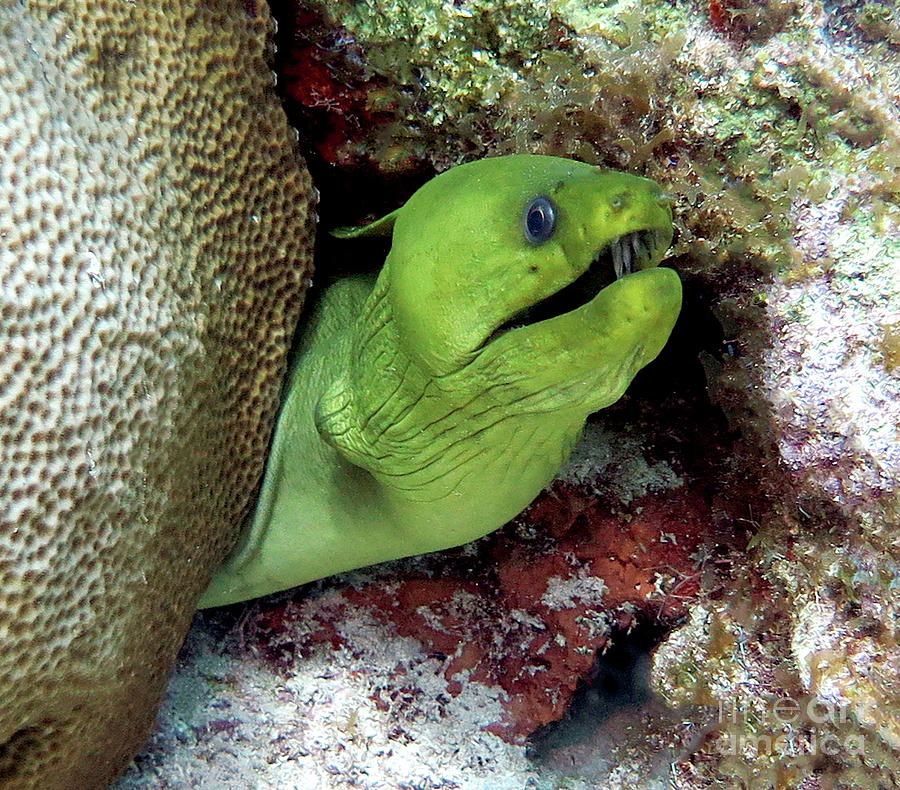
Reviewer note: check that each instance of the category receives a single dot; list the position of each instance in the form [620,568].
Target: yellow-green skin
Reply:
[408,427]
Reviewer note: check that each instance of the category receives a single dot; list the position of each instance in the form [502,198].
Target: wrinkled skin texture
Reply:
[417,418]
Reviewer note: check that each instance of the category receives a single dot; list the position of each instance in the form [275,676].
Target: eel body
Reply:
[431,403]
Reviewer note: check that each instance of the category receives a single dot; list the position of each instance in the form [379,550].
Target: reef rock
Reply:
[155,236]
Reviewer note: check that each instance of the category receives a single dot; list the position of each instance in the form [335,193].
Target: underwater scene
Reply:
[450,394]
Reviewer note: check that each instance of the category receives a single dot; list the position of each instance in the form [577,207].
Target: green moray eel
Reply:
[431,405]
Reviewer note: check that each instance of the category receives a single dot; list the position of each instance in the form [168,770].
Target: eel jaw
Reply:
[628,253]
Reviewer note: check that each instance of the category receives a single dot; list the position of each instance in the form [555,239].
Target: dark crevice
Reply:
[619,679]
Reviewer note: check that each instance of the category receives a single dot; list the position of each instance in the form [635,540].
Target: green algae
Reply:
[880,22]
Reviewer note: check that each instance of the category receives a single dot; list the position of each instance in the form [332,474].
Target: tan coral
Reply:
[155,236]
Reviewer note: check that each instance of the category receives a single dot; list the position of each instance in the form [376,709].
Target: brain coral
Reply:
[155,239]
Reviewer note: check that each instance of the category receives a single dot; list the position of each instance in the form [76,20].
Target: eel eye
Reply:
[540,220]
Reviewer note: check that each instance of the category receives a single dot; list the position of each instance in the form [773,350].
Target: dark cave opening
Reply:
[619,679]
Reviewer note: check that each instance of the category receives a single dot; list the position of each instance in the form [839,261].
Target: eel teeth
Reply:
[617,257]
[621,251]
[631,250]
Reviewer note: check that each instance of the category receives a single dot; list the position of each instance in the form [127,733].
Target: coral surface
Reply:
[154,237]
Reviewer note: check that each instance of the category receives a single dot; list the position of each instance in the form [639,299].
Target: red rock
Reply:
[497,622]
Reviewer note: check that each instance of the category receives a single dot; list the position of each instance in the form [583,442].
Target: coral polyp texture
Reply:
[155,233]
[776,127]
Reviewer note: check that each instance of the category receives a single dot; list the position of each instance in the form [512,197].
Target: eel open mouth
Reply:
[639,249]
